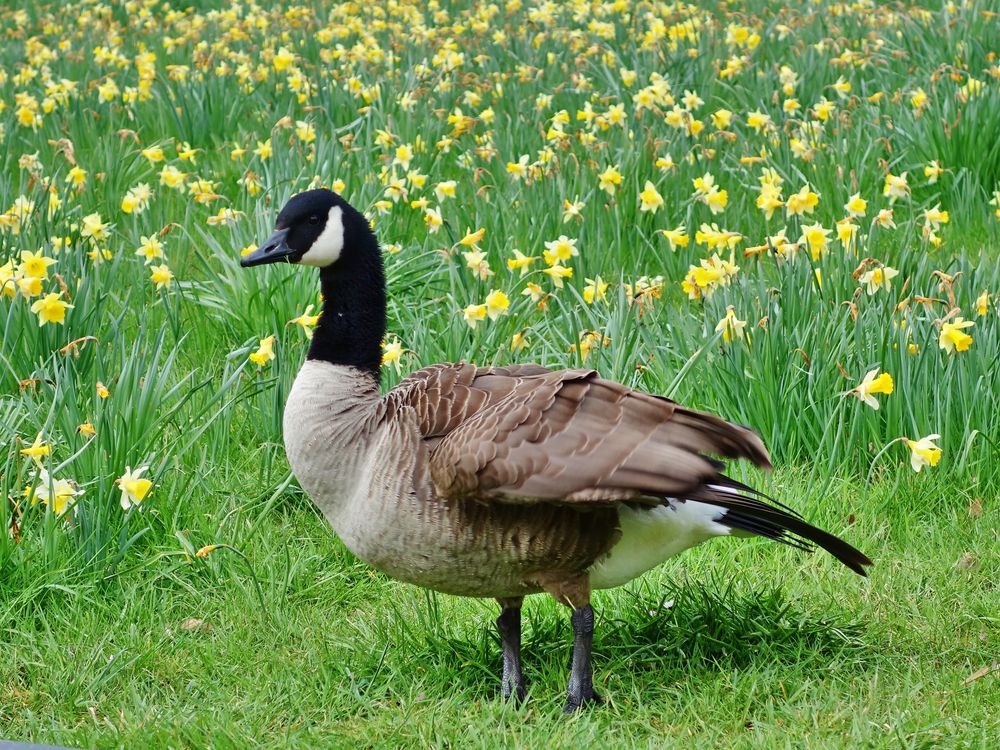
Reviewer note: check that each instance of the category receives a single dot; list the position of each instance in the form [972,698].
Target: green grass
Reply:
[738,643]
[761,646]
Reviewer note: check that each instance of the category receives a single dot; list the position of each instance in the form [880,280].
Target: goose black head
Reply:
[315,228]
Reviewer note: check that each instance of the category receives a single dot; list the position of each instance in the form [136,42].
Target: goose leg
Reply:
[509,625]
[581,676]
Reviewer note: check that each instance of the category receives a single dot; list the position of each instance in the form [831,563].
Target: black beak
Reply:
[274,250]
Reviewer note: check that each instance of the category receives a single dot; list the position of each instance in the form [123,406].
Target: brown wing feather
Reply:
[526,434]
[572,436]
[445,396]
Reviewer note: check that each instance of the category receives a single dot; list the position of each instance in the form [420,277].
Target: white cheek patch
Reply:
[328,246]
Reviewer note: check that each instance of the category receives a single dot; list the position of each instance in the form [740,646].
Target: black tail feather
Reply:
[747,513]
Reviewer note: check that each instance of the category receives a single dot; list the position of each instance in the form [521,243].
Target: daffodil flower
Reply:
[497,304]
[952,339]
[37,450]
[983,303]
[134,488]
[730,326]
[51,309]
[677,237]
[473,314]
[392,353]
[161,276]
[307,320]
[35,265]
[518,342]
[596,289]
[924,452]
[871,384]
[58,494]
[609,180]
[650,199]
[878,278]
[559,250]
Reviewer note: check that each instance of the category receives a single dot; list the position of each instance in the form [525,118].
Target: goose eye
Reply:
[314,219]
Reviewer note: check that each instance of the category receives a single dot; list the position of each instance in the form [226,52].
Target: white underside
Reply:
[651,535]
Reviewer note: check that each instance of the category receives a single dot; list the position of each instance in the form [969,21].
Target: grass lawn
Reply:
[738,643]
[786,214]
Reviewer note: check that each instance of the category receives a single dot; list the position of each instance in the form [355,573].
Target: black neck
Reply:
[352,326]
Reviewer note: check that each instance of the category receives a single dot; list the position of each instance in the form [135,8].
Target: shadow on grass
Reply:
[686,630]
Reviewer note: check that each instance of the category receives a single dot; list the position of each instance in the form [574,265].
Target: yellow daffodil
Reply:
[392,353]
[730,326]
[307,320]
[561,249]
[769,200]
[93,228]
[802,202]
[650,199]
[471,239]
[924,452]
[856,206]
[518,342]
[185,152]
[37,450]
[35,265]
[677,237]
[895,187]
[473,314]
[433,220]
[572,210]
[58,494]
[884,219]
[150,248]
[76,177]
[28,286]
[557,273]
[596,289]
[934,218]
[305,132]
[102,390]
[137,199]
[162,276]
[263,150]
[878,278]
[496,304]
[816,238]
[475,261]
[983,303]
[533,290]
[952,338]
[714,238]
[134,488]
[8,280]
[51,309]
[871,384]
[846,231]
[610,179]
[264,353]
[521,262]
[518,169]
[172,177]
[758,120]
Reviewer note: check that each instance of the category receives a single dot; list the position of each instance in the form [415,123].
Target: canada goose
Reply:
[499,481]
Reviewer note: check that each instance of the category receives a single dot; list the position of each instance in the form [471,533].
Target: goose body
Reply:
[506,481]
[366,462]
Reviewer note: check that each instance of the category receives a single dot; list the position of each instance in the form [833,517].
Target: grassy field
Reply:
[786,214]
